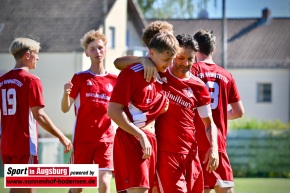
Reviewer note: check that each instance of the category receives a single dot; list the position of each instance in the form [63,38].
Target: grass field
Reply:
[242,185]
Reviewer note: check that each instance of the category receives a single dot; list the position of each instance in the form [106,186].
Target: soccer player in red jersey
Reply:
[223,91]
[90,92]
[134,106]
[22,107]
[178,165]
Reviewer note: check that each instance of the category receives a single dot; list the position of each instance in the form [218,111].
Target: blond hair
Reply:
[91,36]
[154,28]
[20,46]
[165,42]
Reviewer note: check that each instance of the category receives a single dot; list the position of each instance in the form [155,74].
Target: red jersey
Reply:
[175,129]
[20,91]
[138,96]
[92,94]
[223,90]
[142,102]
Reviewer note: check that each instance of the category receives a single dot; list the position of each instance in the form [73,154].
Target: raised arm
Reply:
[44,121]
[236,111]
[66,100]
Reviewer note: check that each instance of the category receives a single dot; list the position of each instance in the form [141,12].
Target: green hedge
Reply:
[256,124]
[259,153]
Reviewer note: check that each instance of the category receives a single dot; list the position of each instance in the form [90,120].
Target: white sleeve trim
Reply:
[225,183]
[139,118]
[204,111]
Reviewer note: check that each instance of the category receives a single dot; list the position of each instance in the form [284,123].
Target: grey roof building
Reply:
[251,42]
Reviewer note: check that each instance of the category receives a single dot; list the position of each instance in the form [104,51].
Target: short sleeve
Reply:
[234,94]
[123,89]
[35,93]
[203,95]
[76,87]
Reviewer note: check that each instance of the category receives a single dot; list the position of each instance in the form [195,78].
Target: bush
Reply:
[254,124]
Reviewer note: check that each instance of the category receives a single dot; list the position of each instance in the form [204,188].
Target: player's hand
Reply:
[212,160]
[67,87]
[66,143]
[154,189]
[146,146]
[150,70]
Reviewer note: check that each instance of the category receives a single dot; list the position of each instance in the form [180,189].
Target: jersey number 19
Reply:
[9,99]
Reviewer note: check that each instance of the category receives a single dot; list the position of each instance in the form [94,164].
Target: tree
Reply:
[171,8]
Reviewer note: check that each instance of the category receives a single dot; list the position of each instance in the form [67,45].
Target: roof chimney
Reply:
[266,13]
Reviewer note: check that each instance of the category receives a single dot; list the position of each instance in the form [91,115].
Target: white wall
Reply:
[54,69]
[247,81]
[7,62]
[117,18]
[134,37]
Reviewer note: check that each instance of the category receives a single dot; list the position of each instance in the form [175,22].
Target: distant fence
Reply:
[261,153]
[50,151]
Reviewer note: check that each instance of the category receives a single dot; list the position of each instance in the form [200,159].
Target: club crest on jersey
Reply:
[164,79]
[149,87]
[109,87]
[188,92]
[89,83]
[148,101]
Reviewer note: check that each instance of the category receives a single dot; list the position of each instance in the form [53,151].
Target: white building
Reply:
[258,56]
[59,25]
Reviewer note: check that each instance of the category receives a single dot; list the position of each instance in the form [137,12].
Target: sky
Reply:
[248,8]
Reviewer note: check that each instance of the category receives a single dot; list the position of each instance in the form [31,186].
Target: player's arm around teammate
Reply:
[134,97]
[150,70]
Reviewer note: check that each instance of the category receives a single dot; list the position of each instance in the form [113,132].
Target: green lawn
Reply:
[242,185]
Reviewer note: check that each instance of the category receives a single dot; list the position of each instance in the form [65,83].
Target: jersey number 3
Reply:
[9,99]
[214,90]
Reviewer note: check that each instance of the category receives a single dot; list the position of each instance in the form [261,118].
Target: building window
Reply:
[111,37]
[265,92]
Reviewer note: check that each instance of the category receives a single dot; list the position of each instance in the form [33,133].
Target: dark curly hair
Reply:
[206,41]
[186,41]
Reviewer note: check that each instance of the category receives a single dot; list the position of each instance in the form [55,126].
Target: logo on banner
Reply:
[51,175]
